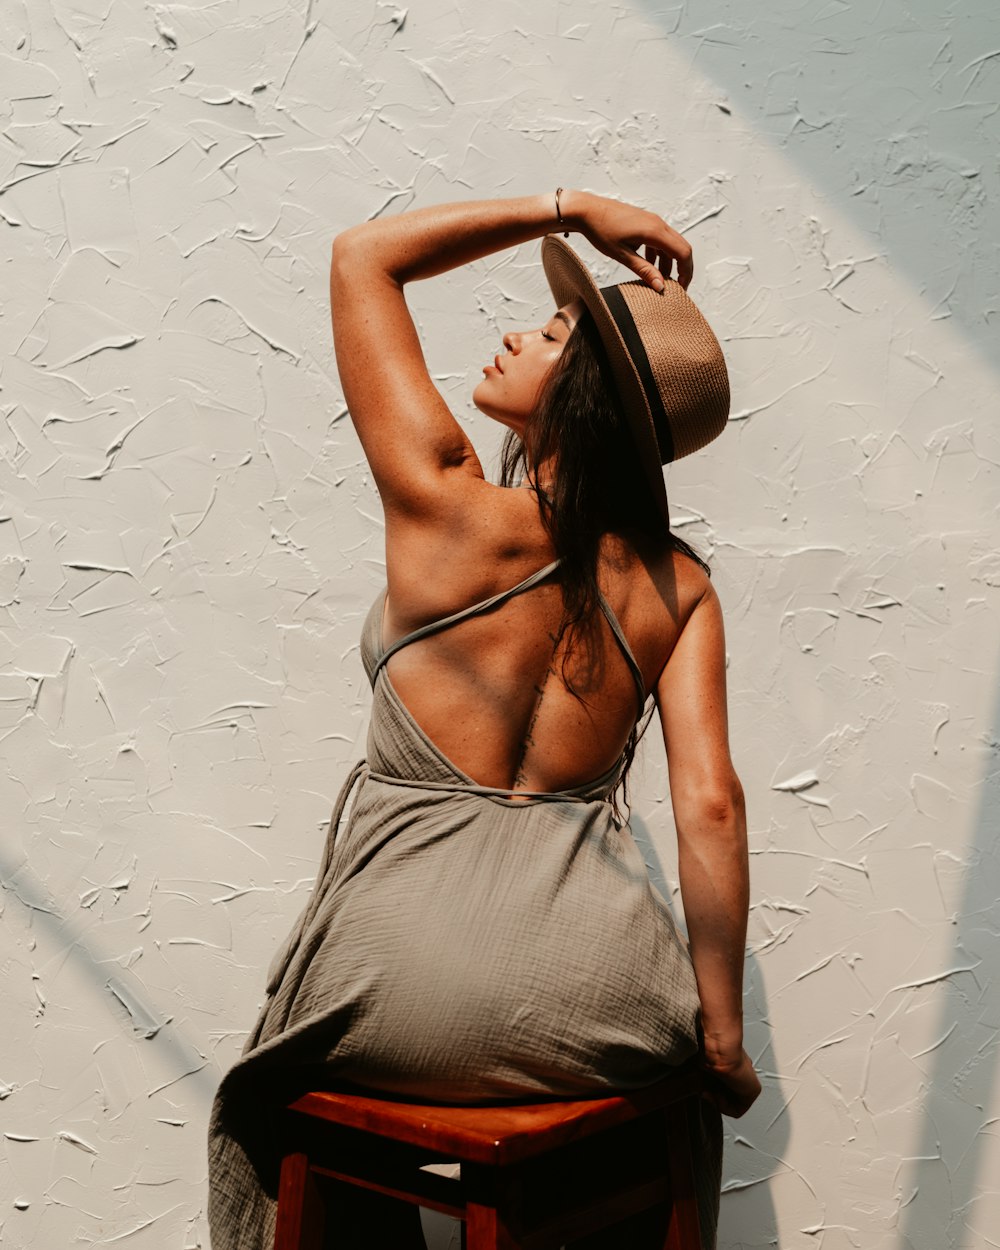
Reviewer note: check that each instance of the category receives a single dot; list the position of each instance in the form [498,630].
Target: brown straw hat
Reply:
[670,371]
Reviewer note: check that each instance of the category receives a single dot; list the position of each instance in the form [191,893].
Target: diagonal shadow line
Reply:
[889,110]
[124,989]
[755,1213]
[963,1078]
[952,274]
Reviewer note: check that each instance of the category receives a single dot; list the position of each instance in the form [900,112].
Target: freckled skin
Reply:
[489,692]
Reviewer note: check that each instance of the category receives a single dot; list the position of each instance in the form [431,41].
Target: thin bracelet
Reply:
[559,215]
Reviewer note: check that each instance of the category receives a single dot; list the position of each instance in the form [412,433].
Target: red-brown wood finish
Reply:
[498,1134]
[683,1230]
[510,1157]
[300,1218]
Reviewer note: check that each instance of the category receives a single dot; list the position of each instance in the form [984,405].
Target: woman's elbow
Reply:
[357,263]
[350,267]
[343,251]
[717,805]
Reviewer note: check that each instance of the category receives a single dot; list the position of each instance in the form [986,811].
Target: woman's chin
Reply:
[485,407]
[510,420]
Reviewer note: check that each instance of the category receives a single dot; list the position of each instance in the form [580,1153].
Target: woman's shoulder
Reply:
[654,589]
[675,574]
[691,576]
[491,546]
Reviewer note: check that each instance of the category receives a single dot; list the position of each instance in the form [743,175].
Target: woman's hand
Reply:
[732,1087]
[620,230]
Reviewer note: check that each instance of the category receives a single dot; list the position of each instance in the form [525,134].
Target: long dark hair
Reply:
[599,486]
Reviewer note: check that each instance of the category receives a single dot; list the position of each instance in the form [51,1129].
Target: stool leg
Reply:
[299,1220]
[486,1230]
[684,1228]
[492,1196]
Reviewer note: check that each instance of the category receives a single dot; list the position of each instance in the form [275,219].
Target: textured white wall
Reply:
[189,540]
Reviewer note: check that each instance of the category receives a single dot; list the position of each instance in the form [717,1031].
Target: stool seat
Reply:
[531,1174]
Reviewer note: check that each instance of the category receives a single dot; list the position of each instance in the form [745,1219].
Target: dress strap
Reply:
[484,605]
[619,633]
[473,610]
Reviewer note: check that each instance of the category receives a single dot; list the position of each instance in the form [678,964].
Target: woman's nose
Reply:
[512,341]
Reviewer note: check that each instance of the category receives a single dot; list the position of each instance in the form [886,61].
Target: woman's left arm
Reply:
[411,440]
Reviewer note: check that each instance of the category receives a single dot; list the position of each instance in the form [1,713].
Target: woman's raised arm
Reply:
[411,440]
[413,443]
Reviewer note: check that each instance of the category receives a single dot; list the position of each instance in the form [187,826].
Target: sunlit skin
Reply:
[510,387]
[452,538]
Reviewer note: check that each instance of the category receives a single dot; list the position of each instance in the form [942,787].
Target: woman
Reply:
[483,926]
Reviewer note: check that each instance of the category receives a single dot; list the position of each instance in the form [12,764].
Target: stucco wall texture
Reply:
[189,539]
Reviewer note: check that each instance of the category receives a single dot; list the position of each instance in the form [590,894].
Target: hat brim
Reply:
[569,279]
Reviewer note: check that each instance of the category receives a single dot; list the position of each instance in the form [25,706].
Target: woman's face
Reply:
[509,390]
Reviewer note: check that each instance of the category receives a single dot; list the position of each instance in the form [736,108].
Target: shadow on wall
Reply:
[754,1151]
[944,1179]
[175,1056]
[939,1190]
[889,110]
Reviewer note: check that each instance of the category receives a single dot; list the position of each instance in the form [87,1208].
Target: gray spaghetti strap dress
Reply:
[460,945]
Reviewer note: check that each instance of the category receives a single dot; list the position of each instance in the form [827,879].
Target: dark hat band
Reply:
[633,341]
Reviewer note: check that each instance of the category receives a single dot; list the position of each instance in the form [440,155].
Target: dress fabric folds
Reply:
[463,946]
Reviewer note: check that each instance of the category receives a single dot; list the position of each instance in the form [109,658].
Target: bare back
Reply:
[491,691]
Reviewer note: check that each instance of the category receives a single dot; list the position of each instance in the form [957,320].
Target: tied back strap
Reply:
[630,659]
[286,952]
[496,792]
[483,606]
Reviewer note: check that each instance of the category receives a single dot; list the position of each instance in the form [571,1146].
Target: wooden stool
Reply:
[533,1176]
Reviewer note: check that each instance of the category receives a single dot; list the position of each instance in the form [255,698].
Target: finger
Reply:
[724,1104]
[674,247]
[685,264]
[642,268]
[719,1096]
[661,259]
